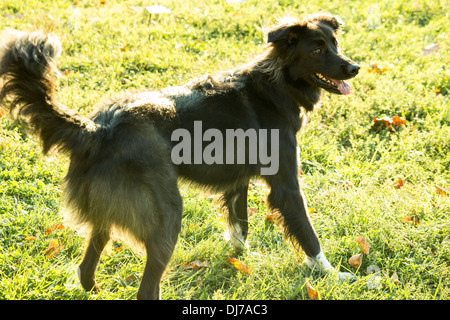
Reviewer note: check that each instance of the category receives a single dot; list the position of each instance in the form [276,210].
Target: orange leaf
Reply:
[311,211]
[398,121]
[239,265]
[2,112]
[413,220]
[54,227]
[364,245]
[441,191]
[53,248]
[376,68]
[355,261]
[388,123]
[398,184]
[312,293]
[272,217]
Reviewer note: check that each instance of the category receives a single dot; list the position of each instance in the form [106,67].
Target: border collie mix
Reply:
[123,170]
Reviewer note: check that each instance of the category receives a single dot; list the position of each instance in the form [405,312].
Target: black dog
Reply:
[127,158]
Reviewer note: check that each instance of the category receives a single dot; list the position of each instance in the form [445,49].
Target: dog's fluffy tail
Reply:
[27,90]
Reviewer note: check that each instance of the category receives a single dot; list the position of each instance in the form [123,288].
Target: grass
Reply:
[349,169]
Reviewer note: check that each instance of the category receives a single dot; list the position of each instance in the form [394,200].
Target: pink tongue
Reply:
[343,86]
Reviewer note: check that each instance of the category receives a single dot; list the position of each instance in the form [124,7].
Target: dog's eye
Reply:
[317,51]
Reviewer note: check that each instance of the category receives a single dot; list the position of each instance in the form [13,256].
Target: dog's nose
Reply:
[352,69]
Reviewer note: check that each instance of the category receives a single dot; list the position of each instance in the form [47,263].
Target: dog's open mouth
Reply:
[331,85]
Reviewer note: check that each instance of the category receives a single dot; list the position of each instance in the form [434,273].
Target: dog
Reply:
[123,174]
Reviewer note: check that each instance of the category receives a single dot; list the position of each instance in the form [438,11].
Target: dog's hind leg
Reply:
[159,252]
[236,202]
[87,268]
[159,246]
[159,249]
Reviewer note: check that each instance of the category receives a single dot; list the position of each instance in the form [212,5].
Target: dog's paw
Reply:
[321,263]
[346,276]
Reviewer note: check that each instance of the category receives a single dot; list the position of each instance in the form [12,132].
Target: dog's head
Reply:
[311,53]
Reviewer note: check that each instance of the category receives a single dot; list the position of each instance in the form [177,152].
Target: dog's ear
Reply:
[333,21]
[285,34]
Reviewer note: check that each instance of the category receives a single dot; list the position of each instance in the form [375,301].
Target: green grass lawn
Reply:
[350,169]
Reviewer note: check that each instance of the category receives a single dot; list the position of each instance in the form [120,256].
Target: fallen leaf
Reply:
[356,260]
[251,211]
[363,244]
[398,121]
[196,264]
[440,191]
[30,238]
[54,227]
[131,278]
[272,217]
[311,211]
[373,282]
[394,278]
[375,68]
[239,265]
[413,220]
[393,124]
[313,294]
[2,112]
[53,248]
[398,184]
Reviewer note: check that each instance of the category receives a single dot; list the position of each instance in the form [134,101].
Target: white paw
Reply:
[346,276]
[321,262]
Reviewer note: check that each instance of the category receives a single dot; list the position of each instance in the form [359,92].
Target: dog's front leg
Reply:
[288,199]
[321,262]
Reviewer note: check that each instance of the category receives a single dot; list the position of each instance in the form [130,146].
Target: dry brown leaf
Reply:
[398,184]
[131,278]
[363,244]
[375,68]
[313,294]
[412,220]
[54,227]
[239,265]
[53,248]
[398,121]
[394,278]
[356,260]
[196,264]
[388,123]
